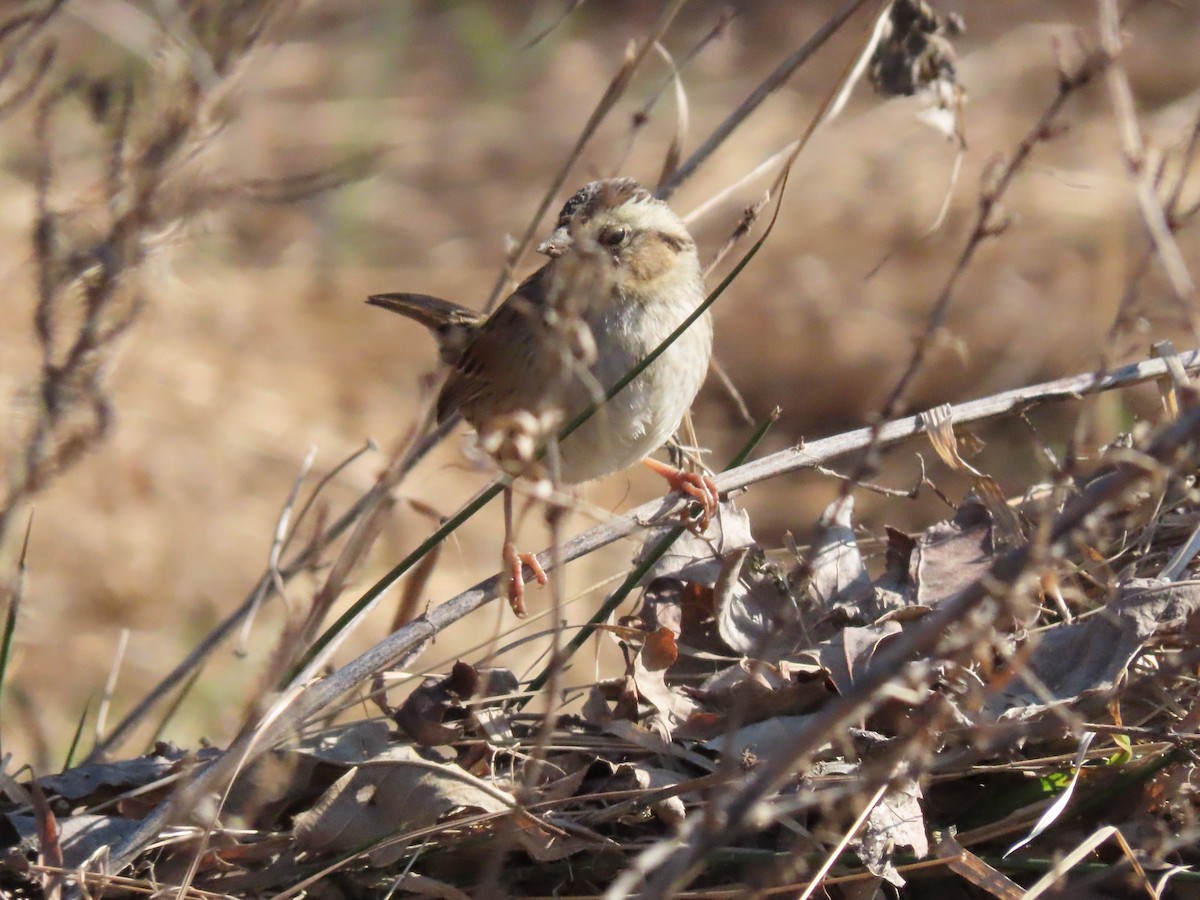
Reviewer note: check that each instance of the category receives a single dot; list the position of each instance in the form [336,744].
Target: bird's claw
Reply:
[703,490]
[696,485]
[514,561]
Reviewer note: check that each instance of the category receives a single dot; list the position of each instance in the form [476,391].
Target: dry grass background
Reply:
[256,345]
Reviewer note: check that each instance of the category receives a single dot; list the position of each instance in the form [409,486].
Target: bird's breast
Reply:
[641,418]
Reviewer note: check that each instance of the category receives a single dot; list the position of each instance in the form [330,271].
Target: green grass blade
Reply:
[10,619]
[617,597]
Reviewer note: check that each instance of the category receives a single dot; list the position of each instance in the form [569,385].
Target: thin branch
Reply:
[768,86]
[365,506]
[310,699]
[932,635]
[1136,161]
[614,91]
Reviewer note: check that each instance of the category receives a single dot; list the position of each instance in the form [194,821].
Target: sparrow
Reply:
[623,274]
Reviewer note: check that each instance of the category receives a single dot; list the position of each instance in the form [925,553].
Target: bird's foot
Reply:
[696,485]
[514,563]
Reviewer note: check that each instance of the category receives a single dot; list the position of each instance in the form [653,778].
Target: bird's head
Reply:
[614,232]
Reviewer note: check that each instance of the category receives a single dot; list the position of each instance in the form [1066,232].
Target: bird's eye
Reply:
[614,235]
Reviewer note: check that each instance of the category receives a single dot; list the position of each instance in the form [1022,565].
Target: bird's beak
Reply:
[555,245]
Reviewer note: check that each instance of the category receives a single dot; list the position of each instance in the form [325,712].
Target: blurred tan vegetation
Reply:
[255,344]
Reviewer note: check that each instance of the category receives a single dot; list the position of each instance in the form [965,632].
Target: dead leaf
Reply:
[940,428]
[755,613]
[687,609]
[662,605]
[439,711]
[97,781]
[635,776]
[347,745]
[657,654]
[79,836]
[1087,657]
[545,845]
[951,555]
[393,793]
[838,576]
[753,690]
[894,591]
[650,741]
[1153,606]
[696,558]
[753,742]
[896,821]
[846,657]
[562,778]
[595,708]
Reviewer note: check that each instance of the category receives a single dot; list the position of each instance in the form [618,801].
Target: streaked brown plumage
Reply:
[623,274]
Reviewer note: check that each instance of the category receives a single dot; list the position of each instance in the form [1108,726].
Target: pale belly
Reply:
[641,418]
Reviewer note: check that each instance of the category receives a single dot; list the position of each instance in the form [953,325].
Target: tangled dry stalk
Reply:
[864,711]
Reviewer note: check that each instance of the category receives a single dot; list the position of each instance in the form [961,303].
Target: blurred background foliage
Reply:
[440,125]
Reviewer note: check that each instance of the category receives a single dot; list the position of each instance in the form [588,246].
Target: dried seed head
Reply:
[515,439]
[580,343]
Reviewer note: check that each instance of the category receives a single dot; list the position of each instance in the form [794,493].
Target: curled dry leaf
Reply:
[698,558]
[756,690]
[839,582]
[896,821]
[1087,657]
[756,615]
[838,576]
[395,792]
[940,428]
[845,658]
[444,710]
[79,836]
[656,655]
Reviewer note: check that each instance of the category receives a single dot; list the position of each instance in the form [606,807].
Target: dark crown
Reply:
[606,194]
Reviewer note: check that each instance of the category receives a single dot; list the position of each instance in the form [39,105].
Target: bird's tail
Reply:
[452,325]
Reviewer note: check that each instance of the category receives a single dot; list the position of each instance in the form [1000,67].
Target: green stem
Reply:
[634,578]
[398,571]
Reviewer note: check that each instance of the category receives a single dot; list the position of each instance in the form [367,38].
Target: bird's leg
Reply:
[696,485]
[514,560]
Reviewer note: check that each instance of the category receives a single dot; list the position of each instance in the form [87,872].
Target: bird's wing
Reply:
[496,362]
